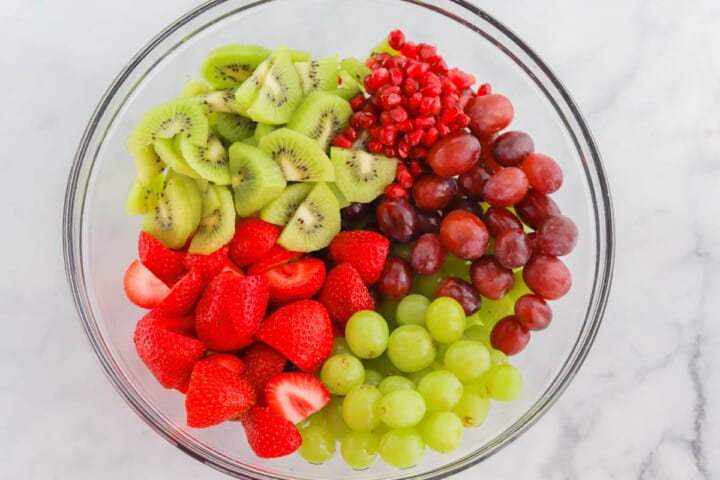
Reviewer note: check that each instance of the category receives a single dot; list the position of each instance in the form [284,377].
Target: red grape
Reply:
[355,211]
[547,276]
[473,181]
[397,219]
[556,235]
[509,336]
[427,254]
[432,192]
[535,208]
[464,234]
[505,187]
[396,278]
[512,248]
[454,154]
[533,312]
[491,279]
[461,291]
[543,173]
[464,204]
[428,222]
[498,219]
[510,148]
[486,157]
[489,113]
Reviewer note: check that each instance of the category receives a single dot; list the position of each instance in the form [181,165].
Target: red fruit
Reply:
[363,249]
[253,239]
[230,311]
[489,113]
[276,256]
[543,173]
[165,263]
[295,281]
[210,264]
[491,279]
[301,331]
[396,39]
[296,395]
[454,154]
[269,434]
[170,356]
[505,187]
[142,287]
[396,278]
[547,276]
[215,394]
[182,325]
[510,148]
[261,364]
[533,312]
[183,296]
[227,360]
[509,336]
[464,234]
[344,293]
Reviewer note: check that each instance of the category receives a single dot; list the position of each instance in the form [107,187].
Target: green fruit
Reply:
[169,152]
[321,116]
[148,163]
[142,198]
[210,160]
[194,88]
[362,176]
[234,128]
[178,117]
[315,222]
[255,178]
[217,225]
[280,210]
[301,159]
[356,69]
[230,65]
[176,214]
[320,74]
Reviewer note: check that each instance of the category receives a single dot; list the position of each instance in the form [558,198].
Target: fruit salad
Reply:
[341,255]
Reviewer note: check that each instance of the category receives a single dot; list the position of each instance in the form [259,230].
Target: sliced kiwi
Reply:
[300,157]
[263,129]
[233,128]
[176,213]
[217,225]
[142,197]
[300,56]
[218,101]
[194,88]
[230,65]
[348,86]
[147,162]
[315,222]
[321,116]
[210,161]
[256,179]
[384,47]
[342,201]
[178,117]
[357,69]
[362,176]
[168,150]
[250,141]
[320,74]
[282,208]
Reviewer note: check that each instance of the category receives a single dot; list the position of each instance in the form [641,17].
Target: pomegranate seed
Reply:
[371,62]
[439,66]
[414,137]
[390,152]
[374,146]
[404,125]
[436,106]
[416,70]
[399,114]
[396,76]
[403,149]
[484,89]
[462,121]
[426,52]
[370,108]
[433,91]
[388,135]
[362,120]
[419,153]
[462,101]
[396,39]
[431,136]
[416,168]
[448,86]
[386,119]
[379,77]
[351,133]
[429,79]
[413,102]
[424,121]
[450,114]
[442,127]
[409,50]
[461,79]
[374,132]
[390,99]
[369,88]
[403,176]
[394,191]
[340,80]
[357,102]
[382,58]
[410,86]
[342,142]
[426,105]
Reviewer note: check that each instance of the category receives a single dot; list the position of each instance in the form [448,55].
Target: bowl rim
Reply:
[72,241]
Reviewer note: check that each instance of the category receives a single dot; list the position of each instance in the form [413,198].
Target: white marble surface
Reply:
[646,403]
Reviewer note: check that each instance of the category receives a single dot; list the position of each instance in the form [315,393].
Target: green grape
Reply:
[445,319]
[317,419]
[402,448]
[395,382]
[456,267]
[497,357]
[441,390]
[478,333]
[442,431]
[402,408]
[411,310]
[520,288]
[491,311]
[342,372]
[367,334]
[415,377]
[477,387]
[318,444]
[361,408]
[387,310]
[467,359]
[401,250]
[373,377]
[359,449]
[381,364]
[472,409]
[442,350]
[340,345]
[472,320]
[411,348]
[334,417]
[427,285]
[504,382]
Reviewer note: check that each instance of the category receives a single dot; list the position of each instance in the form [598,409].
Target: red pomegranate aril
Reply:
[403,176]
[342,141]
[429,79]
[484,89]
[362,120]
[388,135]
[509,336]
[439,66]
[413,101]
[390,100]
[556,235]
[448,89]
[424,121]
[397,219]
[428,222]
[544,174]
[357,102]
[491,279]
[489,113]
[351,133]
[415,137]
[426,52]
[416,70]
[461,291]
[547,276]
[410,86]
[398,114]
[510,148]
[499,219]
[464,204]
[374,132]
[390,152]
[431,91]
[416,168]
[396,76]
[436,106]
[505,187]
[535,208]
[533,312]
[461,79]
[396,278]
[443,128]
[464,235]
[454,154]
[374,146]
[386,119]
[409,50]
[450,114]
[396,39]
[473,181]
[427,254]
[403,148]
[512,248]
[432,192]
[378,78]
[426,106]
[395,190]
[430,137]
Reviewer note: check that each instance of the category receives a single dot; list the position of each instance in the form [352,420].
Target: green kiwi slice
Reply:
[218,101]
[300,55]
[147,162]
[256,179]
[194,88]
[142,197]
[362,176]
[348,87]
[178,117]
[321,116]
[384,47]
[280,210]
[217,225]
[263,129]
[233,128]
[169,152]
[210,161]
[315,222]
[320,74]
[357,70]
[301,158]
[342,201]
[176,213]
[230,65]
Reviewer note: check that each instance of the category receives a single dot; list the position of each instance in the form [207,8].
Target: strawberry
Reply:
[344,293]
[295,281]
[209,265]
[227,360]
[230,311]
[261,364]
[296,395]
[363,249]
[215,394]
[169,355]
[142,287]
[182,325]
[183,296]
[165,263]
[253,239]
[269,434]
[301,331]
[275,257]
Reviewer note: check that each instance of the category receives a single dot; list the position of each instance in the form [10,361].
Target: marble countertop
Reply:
[646,403]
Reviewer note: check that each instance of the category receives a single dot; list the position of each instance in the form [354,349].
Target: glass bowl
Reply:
[100,238]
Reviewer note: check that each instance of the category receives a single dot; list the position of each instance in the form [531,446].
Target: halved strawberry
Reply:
[269,434]
[344,293]
[273,258]
[295,281]
[210,264]
[363,249]
[261,364]
[165,263]
[183,296]
[142,287]
[215,394]
[296,395]
[253,239]
[227,360]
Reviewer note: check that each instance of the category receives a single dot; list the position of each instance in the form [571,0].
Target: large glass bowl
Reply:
[100,239]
